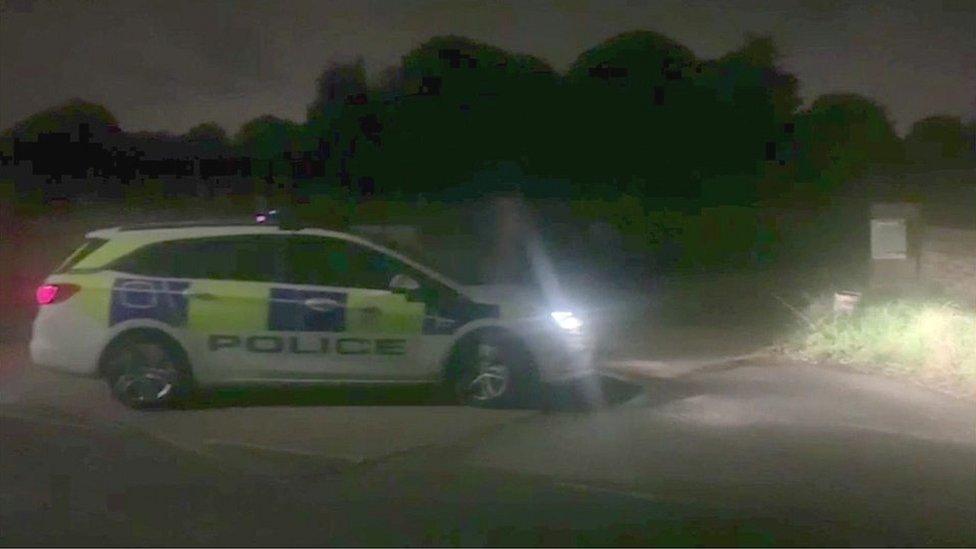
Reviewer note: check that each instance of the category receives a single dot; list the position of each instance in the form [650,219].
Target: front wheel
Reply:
[145,373]
[495,371]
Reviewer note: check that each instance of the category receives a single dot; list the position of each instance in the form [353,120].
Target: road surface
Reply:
[756,452]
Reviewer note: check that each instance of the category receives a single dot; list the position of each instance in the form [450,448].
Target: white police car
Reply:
[159,310]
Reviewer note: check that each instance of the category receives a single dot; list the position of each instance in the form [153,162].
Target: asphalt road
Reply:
[758,452]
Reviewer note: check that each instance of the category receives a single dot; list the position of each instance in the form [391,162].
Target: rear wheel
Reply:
[145,372]
[495,371]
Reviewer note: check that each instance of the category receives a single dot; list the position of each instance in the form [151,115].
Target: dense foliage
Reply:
[637,115]
[695,160]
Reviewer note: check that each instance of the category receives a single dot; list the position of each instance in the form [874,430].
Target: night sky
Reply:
[167,65]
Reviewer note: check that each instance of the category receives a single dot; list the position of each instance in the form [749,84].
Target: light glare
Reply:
[566,320]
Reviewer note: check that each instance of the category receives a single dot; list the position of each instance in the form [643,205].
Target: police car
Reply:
[158,310]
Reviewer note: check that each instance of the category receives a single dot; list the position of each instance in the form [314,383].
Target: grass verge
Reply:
[930,343]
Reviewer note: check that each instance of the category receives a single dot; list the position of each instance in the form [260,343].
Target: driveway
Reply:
[762,452]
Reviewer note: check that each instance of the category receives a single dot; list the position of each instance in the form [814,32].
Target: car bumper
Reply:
[562,357]
[65,341]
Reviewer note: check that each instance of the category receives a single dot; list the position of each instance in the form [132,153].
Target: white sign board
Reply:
[889,239]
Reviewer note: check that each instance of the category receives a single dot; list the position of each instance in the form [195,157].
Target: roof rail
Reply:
[185,224]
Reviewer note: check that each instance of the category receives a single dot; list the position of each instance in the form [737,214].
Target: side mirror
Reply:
[403,283]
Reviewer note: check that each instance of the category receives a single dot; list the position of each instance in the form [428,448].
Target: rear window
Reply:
[83,251]
[246,258]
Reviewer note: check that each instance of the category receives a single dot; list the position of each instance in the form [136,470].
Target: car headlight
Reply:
[567,320]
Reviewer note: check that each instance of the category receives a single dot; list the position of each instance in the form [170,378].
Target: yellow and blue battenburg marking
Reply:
[162,300]
[292,310]
[254,307]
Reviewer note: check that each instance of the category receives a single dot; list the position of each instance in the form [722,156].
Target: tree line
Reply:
[637,115]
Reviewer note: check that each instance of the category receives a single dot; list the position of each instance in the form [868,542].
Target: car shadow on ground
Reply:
[589,395]
[316,396]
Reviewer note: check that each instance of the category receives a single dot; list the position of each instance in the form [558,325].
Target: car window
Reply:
[151,260]
[85,250]
[250,258]
[333,262]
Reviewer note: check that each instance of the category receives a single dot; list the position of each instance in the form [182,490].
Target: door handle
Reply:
[321,304]
[202,296]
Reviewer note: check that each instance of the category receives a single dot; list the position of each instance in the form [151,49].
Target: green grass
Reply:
[929,342]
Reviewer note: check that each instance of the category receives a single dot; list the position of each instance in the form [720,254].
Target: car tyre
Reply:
[145,372]
[495,371]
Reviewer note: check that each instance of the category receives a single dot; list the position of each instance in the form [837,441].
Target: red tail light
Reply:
[55,293]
